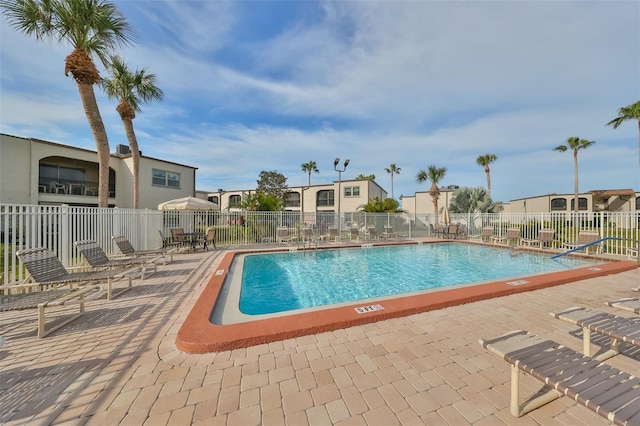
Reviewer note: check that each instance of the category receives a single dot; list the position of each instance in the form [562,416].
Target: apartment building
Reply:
[353,194]
[34,171]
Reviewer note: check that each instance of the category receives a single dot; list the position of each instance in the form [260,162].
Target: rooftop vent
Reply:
[123,149]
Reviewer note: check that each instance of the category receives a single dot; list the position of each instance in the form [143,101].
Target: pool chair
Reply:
[283,236]
[631,304]
[484,236]
[97,258]
[354,233]
[610,392]
[18,297]
[545,239]
[388,233]
[127,250]
[511,237]
[45,269]
[372,232]
[618,329]
[585,237]
[334,234]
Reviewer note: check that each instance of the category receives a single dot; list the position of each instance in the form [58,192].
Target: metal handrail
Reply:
[592,243]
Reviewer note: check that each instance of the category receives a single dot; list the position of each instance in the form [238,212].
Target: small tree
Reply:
[272,183]
[376,205]
[473,200]
[363,177]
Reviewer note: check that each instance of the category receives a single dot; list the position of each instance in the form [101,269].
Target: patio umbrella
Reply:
[188,203]
[445,216]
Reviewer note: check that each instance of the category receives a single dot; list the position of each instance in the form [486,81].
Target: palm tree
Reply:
[309,167]
[131,90]
[484,161]
[433,174]
[392,170]
[629,112]
[575,144]
[92,27]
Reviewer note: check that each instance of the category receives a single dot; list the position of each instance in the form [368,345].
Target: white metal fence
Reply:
[58,227]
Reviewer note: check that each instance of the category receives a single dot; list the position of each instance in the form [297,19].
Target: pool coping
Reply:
[198,335]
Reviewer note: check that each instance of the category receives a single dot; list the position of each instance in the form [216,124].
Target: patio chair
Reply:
[178,237]
[585,237]
[97,258]
[511,237]
[334,234]
[372,232]
[127,249]
[45,269]
[308,236]
[484,236]
[451,231]
[354,233]
[437,231]
[283,235]
[546,238]
[210,239]
[388,233]
[17,297]
[612,393]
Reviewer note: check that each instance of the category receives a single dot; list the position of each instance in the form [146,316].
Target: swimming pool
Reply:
[210,326]
[280,282]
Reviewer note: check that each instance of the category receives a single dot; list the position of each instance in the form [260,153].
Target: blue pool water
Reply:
[279,282]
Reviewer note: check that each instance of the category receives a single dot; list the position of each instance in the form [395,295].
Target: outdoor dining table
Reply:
[193,238]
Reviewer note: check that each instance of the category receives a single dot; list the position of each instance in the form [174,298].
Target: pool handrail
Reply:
[598,242]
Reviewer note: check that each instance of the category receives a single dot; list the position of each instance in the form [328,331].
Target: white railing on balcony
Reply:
[58,227]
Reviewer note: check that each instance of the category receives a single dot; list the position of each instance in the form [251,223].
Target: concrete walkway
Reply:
[118,364]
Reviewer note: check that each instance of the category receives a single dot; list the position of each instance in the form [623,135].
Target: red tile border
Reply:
[198,335]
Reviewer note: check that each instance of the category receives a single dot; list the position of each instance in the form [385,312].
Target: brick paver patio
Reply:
[118,364]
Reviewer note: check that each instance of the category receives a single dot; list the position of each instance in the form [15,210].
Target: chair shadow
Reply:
[25,392]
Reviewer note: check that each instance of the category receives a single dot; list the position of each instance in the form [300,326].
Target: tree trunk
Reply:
[488,172]
[135,156]
[575,181]
[90,106]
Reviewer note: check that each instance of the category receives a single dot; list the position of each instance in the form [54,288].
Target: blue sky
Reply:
[269,85]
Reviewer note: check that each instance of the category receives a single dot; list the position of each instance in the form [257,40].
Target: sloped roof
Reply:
[606,193]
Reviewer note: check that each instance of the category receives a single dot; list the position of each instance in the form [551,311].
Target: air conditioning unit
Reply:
[123,149]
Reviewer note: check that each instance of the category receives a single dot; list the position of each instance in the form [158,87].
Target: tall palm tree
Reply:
[309,167]
[433,174]
[131,89]
[575,144]
[629,112]
[484,161]
[392,170]
[92,27]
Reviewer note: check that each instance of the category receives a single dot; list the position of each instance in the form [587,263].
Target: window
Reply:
[213,199]
[234,200]
[351,191]
[582,204]
[165,178]
[292,199]
[325,198]
[558,204]
[637,203]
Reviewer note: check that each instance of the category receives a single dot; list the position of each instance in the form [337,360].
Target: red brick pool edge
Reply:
[198,335]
